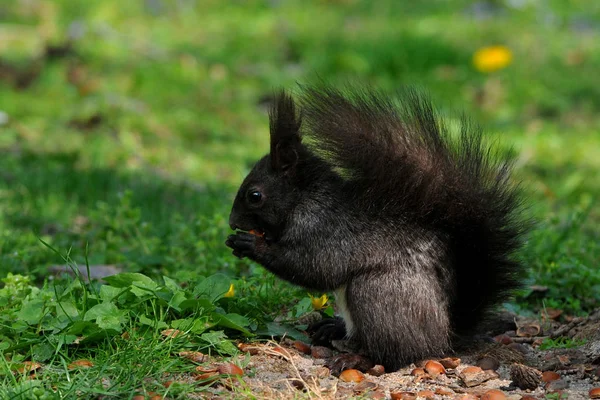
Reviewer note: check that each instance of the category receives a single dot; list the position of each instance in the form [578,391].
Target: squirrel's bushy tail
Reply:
[403,163]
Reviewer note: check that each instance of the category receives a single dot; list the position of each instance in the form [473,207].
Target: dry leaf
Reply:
[28,366]
[80,364]
[171,333]
[195,356]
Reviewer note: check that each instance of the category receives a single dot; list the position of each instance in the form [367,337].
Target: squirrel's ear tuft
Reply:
[284,123]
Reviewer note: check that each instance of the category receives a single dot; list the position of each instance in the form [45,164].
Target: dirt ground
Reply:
[512,366]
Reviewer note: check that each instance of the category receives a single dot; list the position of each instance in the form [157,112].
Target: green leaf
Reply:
[81,328]
[213,287]
[172,285]
[114,322]
[220,342]
[152,323]
[65,339]
[109,293]
[143,288]
[32,311]
[329,311]
[201,305]
[194,325]
[273,329]
[126,279]
[67,309]
[232,321]
[42,351]
[304,306]
[176,301]
[107,316]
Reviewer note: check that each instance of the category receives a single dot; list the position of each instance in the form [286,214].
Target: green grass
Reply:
[560,343]
[128,151]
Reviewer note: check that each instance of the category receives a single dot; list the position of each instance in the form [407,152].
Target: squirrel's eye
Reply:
[254,196]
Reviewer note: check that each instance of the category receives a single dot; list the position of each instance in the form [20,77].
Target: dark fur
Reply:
[371,195]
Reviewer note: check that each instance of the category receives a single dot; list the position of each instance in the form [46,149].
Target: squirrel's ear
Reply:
[284,124]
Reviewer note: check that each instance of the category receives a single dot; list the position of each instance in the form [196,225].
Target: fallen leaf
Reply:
[364,386]
[247,348]
[204,369]
[552,313]
[230,369]
[529,330]
[171,333]
[195,356]
[80,364]
[28,366]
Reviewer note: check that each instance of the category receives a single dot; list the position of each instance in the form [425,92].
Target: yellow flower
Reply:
[230,292]
[318,303]
[492,58]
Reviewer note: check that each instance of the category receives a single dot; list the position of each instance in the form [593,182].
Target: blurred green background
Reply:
[126,126]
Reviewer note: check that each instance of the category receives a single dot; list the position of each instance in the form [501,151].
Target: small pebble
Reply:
[488,363]
[557,385]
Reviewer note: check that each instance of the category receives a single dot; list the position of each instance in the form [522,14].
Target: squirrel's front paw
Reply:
[327,330]
[243,244]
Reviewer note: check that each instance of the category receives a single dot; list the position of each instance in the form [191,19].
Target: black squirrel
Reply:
[414,229]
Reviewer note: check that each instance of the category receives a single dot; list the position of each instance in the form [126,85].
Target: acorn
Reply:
[549,376]
[493,394]
[594,393]
[450,362]
[434,368]
[352,375]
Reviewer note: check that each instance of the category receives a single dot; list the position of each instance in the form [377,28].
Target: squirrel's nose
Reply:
[232,223]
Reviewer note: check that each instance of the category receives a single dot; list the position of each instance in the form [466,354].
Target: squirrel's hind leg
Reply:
[399,318]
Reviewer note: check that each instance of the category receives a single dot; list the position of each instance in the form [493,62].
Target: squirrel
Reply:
[373,198]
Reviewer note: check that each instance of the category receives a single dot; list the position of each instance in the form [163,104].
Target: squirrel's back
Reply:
[401,162]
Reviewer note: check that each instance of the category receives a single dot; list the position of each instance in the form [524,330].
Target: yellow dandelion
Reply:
[492,58]
[230,292]
[318,303]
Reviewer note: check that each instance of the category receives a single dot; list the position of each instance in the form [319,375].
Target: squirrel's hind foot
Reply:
[344,361]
